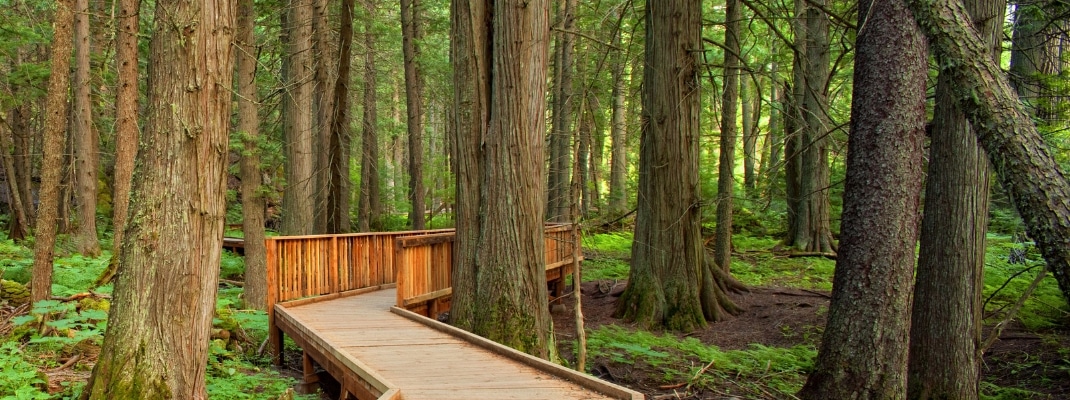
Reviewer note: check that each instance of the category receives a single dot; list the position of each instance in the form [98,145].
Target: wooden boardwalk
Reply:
[395,352]
[357,305]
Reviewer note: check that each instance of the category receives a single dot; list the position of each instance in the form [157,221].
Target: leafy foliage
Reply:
[19,380]
[682,359]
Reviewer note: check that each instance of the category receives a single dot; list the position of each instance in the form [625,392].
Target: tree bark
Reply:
[323,57]
[340,140]
[726,182]
[946,320]
[618,202]
[500,51]
[126,116]
[414,106]
[863,352]
[52,162]
[20,219]
[298,217]
[810,231]
[1035,57]
[369,209]
[86,141]
[156,345]
[750,132]
[1019,156]
[561,116]
[671,284]
[253,201]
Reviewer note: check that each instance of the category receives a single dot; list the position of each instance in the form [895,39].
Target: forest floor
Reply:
[765,352]
[784,317]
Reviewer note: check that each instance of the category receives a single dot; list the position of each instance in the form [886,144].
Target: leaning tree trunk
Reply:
[671,284]
[86,142]
[863,351]
[1019,156]
[945,330]
[500,239]
[253,201]
[414,107]
[52,162]
[159,325]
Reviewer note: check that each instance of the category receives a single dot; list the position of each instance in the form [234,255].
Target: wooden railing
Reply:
[300,267]
[425,267]
[303,269]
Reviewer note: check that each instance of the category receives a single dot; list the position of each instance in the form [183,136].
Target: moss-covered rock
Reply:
[14,293]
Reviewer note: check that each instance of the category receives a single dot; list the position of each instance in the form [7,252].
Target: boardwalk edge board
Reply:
[584,380]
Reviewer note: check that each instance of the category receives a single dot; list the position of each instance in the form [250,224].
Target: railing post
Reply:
[274,333]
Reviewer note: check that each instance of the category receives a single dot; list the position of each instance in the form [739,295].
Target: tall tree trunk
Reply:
[946,320]
[863,351]
[618,133]
[671,283]
[414,105]
[253,201]
[20,218]
[1019,156]
[500,228]
[126,116]
[369,209]
[52,162]
[726,182]
[156,345]
[593,189]
[750,133]
[298,198]
[774,144]
[340,140]
[725,170]
[583,153]
[323,57]
[86,141]
[811,230]
[1035,56]
[561,117]
[23,157]
[794,123]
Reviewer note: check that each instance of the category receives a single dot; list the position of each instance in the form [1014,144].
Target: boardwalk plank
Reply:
[423,363]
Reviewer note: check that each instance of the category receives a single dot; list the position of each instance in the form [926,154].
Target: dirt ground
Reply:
[784,317]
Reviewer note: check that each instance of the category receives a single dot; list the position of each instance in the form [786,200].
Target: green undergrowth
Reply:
[54,330]
[755,370]
[1011,266]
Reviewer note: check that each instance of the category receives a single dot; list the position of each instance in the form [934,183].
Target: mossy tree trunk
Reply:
[671,284]
[1020,158]
[156,345]
[863,352]
[500,51]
